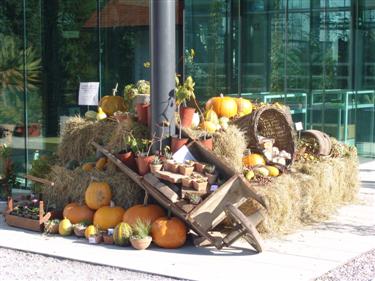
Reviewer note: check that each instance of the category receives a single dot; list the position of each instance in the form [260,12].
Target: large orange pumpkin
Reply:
[77,213]
[98,194]
[143,212]
[111,104]
[108,217]
[223,106]
[168,233]
[244,106]
[253,159]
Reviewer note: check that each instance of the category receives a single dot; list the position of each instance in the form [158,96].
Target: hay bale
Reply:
[310,194]
[230,146]
[77,136]
[71,186]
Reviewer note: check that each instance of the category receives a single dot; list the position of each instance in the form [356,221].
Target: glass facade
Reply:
[317,56]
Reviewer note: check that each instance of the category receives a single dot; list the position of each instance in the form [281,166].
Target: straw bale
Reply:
[70,186]
[77,135]
[311,193]
[230,146]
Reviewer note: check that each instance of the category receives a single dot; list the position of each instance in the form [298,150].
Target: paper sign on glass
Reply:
[88,93]
[299,126]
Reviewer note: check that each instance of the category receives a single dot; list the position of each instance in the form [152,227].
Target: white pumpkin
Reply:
[196,120]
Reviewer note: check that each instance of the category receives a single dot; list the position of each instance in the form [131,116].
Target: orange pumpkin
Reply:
[244,106]
[77,213]
[87,167]
[108,217]
[98,194]
[223,106]
[168,233]
[111,104]
[253,159]
[143,212]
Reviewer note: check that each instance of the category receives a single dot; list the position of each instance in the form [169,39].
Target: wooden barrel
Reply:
[270,122]
[322,139]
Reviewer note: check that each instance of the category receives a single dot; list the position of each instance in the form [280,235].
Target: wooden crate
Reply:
[26,223]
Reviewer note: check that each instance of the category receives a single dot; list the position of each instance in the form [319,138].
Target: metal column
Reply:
[163,64]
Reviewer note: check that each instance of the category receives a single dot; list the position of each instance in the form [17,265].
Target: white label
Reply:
[88,93]
[299,126]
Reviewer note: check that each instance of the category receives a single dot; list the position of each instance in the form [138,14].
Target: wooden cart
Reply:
[222,203]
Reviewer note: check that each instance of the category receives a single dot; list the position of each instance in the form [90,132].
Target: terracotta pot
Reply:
[143,164]
[186,170]
[141,244]
[141,109]
[187,182]
[207,143]
[155,168]
[177,143]
[199,167]
[171,166]
[200,186]
[186,115]
[107,239]
[128,159]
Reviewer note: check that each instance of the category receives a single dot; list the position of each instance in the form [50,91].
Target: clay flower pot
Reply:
[108,239]
[187,182]
[199,167]
[128,159]
[211,178]
[141,244]
[185,170]
[177,143]
[200,185]
[186,116]
[79,230]
[141,109]
[143,164]
[155,168]
[171,166]
[207,143]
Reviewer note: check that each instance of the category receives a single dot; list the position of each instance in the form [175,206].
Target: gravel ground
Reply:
[17,265]
[361,268]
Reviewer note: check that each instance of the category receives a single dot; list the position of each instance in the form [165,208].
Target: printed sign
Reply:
[299,126]
[88,93]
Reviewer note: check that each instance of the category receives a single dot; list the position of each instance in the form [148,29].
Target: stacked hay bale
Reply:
[77,135]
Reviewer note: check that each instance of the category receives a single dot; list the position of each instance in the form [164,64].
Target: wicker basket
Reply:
[270,122]
[322,139]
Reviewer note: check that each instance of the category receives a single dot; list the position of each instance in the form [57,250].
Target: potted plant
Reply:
[186,169]
[142,101]
[127,155]
[169,164]
[143,157]
[183,93]
[51,226]
[141,238]
[200,184]
[80,228]
[187,182]
[210,172]
[156,165]
[205,139]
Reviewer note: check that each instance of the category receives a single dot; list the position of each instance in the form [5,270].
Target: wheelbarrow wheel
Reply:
[251,234]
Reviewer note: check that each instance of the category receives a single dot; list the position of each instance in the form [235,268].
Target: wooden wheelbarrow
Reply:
[219,205]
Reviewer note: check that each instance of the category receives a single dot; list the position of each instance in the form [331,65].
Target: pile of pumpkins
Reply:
[255,165]
[219,110]
[101,214]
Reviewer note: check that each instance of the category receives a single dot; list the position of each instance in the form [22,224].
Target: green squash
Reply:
[122,233]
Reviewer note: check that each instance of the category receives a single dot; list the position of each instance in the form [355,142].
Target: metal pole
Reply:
[163,65]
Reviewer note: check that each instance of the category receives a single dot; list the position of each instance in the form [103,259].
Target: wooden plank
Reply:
[129,172]
[169,176]
[161,187]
